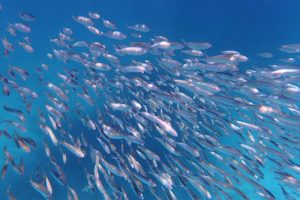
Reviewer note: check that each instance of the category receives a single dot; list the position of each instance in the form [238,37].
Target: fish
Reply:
[119,106]
[94,15]
[109,24]
[67,31]
[135,51]
[22,27]
[20,71]
[290,48]
[265,55]
[19,168]
[72,195]
[99,185]
[74,149]
[27,16]
[10,195]
[47,130]
[281,72]
[83,20]
[4,169]
[140,28]
[45,191]
[193,52]
[28,48]
[198,45]
[116,35]
[94,30]
[11,30]
[166,126]
[21,142]
[7,45]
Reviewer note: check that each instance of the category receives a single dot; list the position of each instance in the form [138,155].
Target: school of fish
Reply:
[160,116]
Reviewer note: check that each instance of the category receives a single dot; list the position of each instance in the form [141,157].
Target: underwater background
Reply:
[249,27]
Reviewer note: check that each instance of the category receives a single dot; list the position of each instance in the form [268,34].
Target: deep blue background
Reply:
[248,26]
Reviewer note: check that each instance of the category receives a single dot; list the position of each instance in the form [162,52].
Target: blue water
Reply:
[248,26]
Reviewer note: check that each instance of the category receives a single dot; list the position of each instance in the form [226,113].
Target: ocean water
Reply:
[249,27]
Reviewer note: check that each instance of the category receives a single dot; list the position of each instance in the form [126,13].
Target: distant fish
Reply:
[286,71]
[94,15]
[193,52]
[198,45]
[45,191]
[94,30]
[109,24]
[288,60]
[131,51]
[4,169]
[28,48]
[265,55]
[10,195]
[290,48]
[140,28]
[22,27]
[83,20]
[27,16]
[67,31]
[117,35]
[74,149]
[11,30]
[7,45]
[136,35]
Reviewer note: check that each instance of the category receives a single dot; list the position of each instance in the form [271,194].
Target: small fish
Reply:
[265,55]
[193,52]
[7,45]
[109,24]
[10,195]
[94,30]
[22,27]
[99,185]
[5,90]
[4,169]
[72,195]
[166,126]
[116,35]
[287,71]
[119,106]
[135,51]
[11,30]
[46,192]
[198,45]
[94,15]
[26,47]
[27,16]
[83,20]
[140,28]
[67,31]
[290,48]
[74,149]
[47,130]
